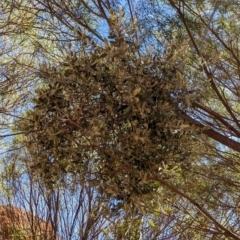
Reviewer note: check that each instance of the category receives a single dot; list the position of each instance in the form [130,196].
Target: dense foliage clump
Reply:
[113,114]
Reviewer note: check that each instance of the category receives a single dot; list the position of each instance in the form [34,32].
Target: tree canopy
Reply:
[130,107]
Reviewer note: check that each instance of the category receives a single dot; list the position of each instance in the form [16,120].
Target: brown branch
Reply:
[90,9]
[130,9]
[226,232]
[212,134]
[217,116]
[103,12]
[13,134]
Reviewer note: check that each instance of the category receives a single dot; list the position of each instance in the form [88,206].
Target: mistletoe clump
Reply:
[111,116]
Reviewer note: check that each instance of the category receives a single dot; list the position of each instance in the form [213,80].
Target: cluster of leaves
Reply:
[115,119]
[111,114]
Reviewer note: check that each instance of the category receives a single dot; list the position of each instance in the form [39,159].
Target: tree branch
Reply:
[212,134]
[226,232]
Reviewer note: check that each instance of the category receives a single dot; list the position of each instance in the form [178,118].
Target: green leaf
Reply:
[151,223]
